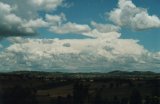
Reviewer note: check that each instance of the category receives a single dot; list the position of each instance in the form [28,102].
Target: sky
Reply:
[79,35]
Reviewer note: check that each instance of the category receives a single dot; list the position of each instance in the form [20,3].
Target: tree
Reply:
[19,95]
[135,97]
[124,101]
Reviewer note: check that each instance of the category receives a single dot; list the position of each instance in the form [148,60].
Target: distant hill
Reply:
[85,75]
[132,73]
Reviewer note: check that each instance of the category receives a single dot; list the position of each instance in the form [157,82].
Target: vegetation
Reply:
[80,88]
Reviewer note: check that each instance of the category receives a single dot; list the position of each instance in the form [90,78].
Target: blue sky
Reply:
[85,11]
[80,36]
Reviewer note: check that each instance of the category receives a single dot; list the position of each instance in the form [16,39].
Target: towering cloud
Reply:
[101,54]
[129,15]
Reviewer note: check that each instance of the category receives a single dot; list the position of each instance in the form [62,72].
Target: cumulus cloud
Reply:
[105,51]
[84,55]
[21,17]
[129,15]
[32,25]
[9,21]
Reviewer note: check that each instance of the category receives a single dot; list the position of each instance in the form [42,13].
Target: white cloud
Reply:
[5,8]
[16,40]
[10,23]
[55,20]
[85,55]
[105,51]
[127,14]
[32,25]
[97,29]
[46,4]
[21,17]
[70,28]
[94,33]
[104,28]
